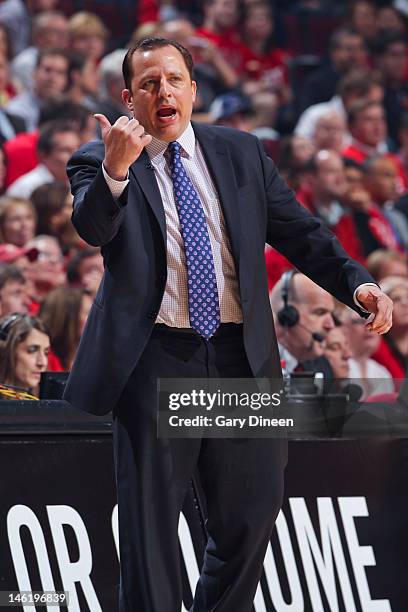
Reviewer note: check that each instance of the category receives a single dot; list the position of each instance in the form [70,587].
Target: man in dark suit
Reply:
[182,213]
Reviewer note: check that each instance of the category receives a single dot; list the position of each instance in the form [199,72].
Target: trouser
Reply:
[242,480]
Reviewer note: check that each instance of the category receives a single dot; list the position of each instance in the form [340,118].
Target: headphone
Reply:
[288,315]
[9,322]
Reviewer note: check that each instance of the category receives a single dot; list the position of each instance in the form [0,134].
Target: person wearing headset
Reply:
[303,314]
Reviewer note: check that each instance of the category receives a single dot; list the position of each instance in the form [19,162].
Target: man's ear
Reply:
[127,99]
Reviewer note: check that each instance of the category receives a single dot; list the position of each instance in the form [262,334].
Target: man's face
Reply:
[13,298]
[50,77]
[162,94]
[54,34]
[349,53]
[370,126]
[394,62]
[315,307]
[382,181]
[329,182]
[64,145]
[329,132]
[224,13]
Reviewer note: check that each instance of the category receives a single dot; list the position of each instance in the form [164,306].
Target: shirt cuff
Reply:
[357,303]
[116,187]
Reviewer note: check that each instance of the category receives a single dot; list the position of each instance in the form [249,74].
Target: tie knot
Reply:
[174,148]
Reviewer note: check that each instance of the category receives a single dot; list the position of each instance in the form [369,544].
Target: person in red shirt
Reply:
[265,63]
[368,128]
[220,27]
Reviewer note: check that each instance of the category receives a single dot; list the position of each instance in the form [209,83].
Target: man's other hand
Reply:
[377,302]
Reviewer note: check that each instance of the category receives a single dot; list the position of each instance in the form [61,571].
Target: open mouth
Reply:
[166,113]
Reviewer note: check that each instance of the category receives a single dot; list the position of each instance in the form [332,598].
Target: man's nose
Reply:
[164,88]
[328,322]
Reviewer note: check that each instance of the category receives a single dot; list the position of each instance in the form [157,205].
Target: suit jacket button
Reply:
[152,314]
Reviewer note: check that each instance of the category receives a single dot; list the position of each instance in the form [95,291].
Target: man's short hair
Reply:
[359,107]
[150,44]
[48,131]
[66,110]
[386,39]
[359,82]
[11,274]
[56,52]
[336,38]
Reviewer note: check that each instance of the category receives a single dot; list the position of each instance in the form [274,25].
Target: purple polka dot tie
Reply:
[203,303]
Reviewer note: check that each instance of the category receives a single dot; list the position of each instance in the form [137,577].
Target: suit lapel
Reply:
[220,166]
[142,169]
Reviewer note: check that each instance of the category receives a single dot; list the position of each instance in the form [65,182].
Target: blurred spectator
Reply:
[337,351]
[372,377]
[392,60]
[373,228]
[88,35]
[49,81]
[363,18]
[57,142]
[381,181]
[64,311]
[346,51]
[330,132]
[211,71]
[394,352]
[295,155]
[18,221]
[49,31]
[389,19]
[86,270]
[266,64]
[322,192]
[13,293]
[368,127]
[14,15]
[220,27]
[53,206]
[110,103]
[385,262]
[24,348]
[83,81]
[47,271]
[20,258]
[355,85]
[21,151]
[315,308]
[6,45]
[232,110]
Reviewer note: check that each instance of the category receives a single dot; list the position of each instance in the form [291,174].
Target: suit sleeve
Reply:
[97,215]
[308,244]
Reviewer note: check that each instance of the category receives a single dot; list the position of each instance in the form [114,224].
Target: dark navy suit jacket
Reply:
[258,207]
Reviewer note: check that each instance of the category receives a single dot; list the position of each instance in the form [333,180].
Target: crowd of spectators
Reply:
[322,84]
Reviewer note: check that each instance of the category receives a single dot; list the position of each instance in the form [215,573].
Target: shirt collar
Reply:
[156,148]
